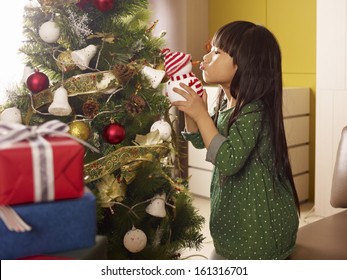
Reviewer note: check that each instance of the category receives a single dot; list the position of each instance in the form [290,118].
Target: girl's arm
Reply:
[190,124]
[230,154]
[196,114]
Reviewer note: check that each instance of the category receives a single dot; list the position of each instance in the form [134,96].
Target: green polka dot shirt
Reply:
[253,214]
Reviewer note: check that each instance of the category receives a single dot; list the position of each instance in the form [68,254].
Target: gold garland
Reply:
[79,85]
[124,155]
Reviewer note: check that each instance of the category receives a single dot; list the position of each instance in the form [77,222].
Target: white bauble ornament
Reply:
[49,32]
[32,4]
[135,240]
[164,129]
[11,115]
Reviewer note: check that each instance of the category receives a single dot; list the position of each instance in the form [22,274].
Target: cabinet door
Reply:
[296,102]
[301,186]
[299,159]
[197,158]
[199,181]
[297,130]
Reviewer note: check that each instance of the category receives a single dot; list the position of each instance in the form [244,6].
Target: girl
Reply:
[254,205]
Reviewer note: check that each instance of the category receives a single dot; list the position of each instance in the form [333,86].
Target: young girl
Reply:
[254,205]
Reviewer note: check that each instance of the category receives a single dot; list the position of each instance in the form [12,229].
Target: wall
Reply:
[331,94]
[186,23]
[166,12]
[11,27]
[293,22]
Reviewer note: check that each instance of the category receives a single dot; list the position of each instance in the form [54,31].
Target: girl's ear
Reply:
[234,63]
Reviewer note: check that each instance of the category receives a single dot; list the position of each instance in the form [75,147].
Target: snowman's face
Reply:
[185,69]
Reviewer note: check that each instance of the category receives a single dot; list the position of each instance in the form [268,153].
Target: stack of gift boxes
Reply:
[44,206]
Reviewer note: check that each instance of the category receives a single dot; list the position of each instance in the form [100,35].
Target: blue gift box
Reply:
[56,226]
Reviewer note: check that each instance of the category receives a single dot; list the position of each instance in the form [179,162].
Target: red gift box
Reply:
[18,172]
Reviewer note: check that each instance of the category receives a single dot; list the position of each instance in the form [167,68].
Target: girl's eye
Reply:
[217,52]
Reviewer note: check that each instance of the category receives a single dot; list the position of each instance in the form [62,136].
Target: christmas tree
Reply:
[96,66]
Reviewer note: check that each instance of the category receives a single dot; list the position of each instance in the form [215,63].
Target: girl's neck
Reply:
[231,102]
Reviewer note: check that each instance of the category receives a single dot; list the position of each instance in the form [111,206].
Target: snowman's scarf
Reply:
[194,82]
[182,77]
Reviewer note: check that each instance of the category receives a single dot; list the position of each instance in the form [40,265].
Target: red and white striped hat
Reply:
[174,61]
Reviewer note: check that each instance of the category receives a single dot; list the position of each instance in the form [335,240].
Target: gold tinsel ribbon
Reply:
[77,85]
[124,155]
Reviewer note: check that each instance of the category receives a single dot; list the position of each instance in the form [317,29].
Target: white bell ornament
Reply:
[164,129]
[135,240]
[11,115]
[49,32]
[157,206]
[60,105]
[83,57]
[153,75]
[26,73]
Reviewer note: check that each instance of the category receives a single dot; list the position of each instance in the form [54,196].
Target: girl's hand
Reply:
[195,106]
[195,109]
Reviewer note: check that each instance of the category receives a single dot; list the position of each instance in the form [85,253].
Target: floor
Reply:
[202,203]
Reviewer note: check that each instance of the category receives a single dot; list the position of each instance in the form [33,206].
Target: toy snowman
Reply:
[178,67]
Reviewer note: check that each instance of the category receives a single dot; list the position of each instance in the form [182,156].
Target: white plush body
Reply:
[186,76]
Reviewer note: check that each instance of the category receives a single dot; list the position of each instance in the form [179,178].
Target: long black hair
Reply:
[257,54]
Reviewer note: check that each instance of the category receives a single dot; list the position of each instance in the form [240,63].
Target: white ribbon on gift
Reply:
[11,133]
[12,220]
[42,157]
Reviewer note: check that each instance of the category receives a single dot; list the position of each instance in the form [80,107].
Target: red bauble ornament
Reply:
[37,82]
[114,133]
[104,5]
